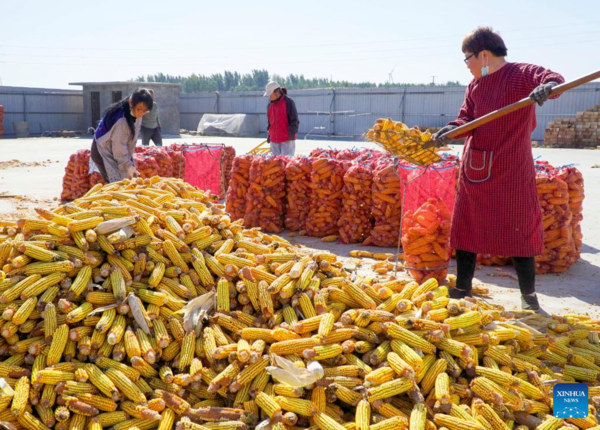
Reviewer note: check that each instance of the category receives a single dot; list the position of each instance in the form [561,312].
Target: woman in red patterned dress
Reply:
[497,210]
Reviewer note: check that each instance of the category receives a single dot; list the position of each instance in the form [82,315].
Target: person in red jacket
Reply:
[282,120]
[497,209]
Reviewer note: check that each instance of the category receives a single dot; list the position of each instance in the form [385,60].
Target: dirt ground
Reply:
[31,172]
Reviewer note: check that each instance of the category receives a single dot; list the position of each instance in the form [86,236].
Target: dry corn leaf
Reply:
[294,376]
[113,225]
[195,311]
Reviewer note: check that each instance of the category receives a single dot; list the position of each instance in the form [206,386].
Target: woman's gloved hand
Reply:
[541,93]
[439,138]
[132,172]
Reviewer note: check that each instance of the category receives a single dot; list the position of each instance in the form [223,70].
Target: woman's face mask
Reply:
[477,64]
[485,70]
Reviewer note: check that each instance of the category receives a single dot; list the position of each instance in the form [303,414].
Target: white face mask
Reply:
[485,70]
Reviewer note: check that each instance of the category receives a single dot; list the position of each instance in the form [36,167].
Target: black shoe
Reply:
[456,293]
[529,302]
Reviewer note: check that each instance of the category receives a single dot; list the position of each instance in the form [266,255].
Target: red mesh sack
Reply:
[235,202]
[266,194]
[356,221]
[298,192]
[428,202]
[203,167]
[327,180]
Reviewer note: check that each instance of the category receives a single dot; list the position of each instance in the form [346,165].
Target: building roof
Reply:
[145,84]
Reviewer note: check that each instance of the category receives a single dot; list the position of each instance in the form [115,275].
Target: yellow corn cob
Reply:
[397,332]
[39,253]
[84,224]
[187,350]
[24,311]
[325,422]
[455,423]
[390,389]
[59,342]
[41,285]
[581,374]
[363,415]
[418,417]
[125,385]
[101,381]
[79,313]
[268,404]
[20,397]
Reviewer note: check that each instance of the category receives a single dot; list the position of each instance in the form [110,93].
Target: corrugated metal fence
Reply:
[348,113]
[44,109]
[327,113]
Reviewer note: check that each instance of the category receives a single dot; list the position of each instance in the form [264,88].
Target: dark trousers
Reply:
[98,161]
[151,134]
[465,267]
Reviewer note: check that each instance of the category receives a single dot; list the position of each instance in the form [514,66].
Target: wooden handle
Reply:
[559,89]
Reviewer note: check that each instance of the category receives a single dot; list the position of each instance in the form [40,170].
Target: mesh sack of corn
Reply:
[324,153]
[142,305]
[265,200]
[386,205]
[492,260]
[238,186]
[298,192]
[226,167]
[559,251]
[428,196]
[146,165]
[76,179]
[355,222]
[163,161]
[404,142]
[574,180]
[327,180]
[177,160]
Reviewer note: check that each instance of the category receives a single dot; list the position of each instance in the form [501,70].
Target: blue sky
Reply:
[52,43]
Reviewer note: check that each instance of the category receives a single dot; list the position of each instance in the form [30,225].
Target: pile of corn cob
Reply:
[404,142]
[181,317]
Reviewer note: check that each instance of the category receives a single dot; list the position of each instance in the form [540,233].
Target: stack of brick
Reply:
[583,131]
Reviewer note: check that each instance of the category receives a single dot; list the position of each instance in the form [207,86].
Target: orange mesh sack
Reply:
[574,180]
[559,248]
[226,165]
[355,223]
[146,165]
[298,192]
[327,180]
[386,206]
[266,194]
[76,181]
[235,201]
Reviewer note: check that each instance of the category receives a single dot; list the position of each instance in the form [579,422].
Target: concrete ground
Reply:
[35,177]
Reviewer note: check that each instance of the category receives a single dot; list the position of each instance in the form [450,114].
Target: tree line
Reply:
[256,80]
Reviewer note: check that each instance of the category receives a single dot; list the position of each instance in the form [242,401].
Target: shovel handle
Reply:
[559,89]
